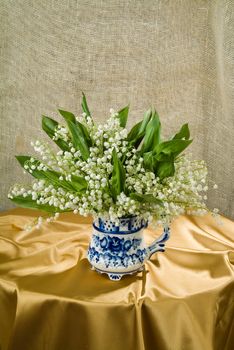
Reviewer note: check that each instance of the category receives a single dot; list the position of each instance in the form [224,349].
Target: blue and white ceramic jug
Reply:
[120,250]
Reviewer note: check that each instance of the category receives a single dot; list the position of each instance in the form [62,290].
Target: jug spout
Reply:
[158,245]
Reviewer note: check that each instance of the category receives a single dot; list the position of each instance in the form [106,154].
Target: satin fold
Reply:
[50,299]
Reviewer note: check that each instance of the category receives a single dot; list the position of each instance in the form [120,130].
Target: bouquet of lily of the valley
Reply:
[107,171]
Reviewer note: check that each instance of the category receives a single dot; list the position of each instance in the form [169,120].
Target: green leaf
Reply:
[79,139]
[134,132]
[184,133]
[152,134]
[77,184]
[28,202]
[137,133]
[150,161]
[174,147]
[85,134]
[118,176]
[145,198]
[84,105]
[49,126]
[123,116]
[145,121]
[164,157]
[162,164]
[68,116]
[165,169]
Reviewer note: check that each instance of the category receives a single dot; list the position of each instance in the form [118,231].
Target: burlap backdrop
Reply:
[177,55]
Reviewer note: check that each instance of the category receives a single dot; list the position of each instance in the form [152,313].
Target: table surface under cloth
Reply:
[50,299]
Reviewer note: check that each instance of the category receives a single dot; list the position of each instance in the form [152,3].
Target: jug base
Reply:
[116,276]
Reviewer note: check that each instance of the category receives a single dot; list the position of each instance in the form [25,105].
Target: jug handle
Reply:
[158,244]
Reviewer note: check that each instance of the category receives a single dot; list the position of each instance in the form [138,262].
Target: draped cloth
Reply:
[174,55]
[50,299]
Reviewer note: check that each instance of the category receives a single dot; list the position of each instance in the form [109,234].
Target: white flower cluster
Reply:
[61,133]
[182,193]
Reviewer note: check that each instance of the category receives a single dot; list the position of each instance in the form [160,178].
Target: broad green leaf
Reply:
[86,134]
[145,121]
[164,157]
[150,161]
[28,202]
[68,116]
[134,132]
[137,133]
[49,126]
[77,184]
[123,116]
[152,134]
[84,105]
[159,163]
[145,198]
[184,133]
[174,147]
[165,169]
[118,176]
[78,138]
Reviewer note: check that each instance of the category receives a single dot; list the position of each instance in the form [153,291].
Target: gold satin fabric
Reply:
[50,299]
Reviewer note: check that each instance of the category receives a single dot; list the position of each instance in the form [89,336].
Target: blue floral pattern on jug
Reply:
[114,251]
[120,249]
